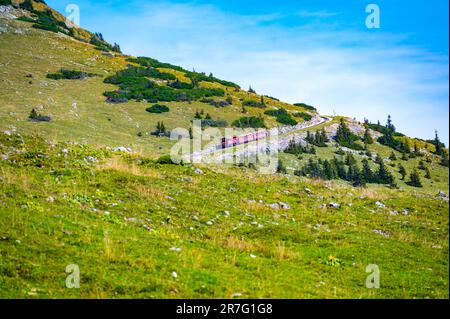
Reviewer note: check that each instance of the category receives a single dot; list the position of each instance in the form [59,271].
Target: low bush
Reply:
[36,117]
[65,74]
[306,106]
[253,103]
[247,122]
[157,108]
[304,115]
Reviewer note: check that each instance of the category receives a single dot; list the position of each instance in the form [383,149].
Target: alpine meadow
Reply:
[124,177]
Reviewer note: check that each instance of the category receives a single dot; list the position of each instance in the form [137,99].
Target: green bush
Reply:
[305,116]
[306,106]
[194,76]
[247,122]
[70,75]
[133,84]
[157,108]
[282,116]
[254,103]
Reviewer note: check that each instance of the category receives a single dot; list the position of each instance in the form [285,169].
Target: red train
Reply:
[237,140]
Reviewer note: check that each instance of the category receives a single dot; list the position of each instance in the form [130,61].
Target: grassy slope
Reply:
[118,257]
[121,258]
[93,121]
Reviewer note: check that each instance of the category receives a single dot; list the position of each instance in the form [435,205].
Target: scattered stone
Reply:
[226,213]
[380,204]
[381,232]
[107,213]
[284,206]
[405,212]
[393,213]
[177,249]
[50,199]
[209,223]
[174,274]
[198,171]
[274,206]
[307,190]
[90,159]
[252,256]
[334,205]
[4,157]
[122,149]
[236,295]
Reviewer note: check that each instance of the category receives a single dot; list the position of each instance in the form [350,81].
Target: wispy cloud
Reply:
[316,14]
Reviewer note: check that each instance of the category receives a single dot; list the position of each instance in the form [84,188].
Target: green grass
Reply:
[119,258]
[153,207]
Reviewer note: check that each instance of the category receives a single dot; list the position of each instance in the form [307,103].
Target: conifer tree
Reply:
[414,179]
[402,171]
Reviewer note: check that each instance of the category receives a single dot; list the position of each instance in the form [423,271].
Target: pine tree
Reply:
[404,156]
[421,165]
[33,115]
[427,173]
[402,171]
[367,137]
[198,115]
[392,157]
[383,175]
[281,169]
[439,150]
[444,160]
[367,171]
[414,179]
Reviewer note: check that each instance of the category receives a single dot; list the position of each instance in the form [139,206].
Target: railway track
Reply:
[284,135]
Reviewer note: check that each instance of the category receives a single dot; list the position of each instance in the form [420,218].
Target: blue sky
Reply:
[314,51]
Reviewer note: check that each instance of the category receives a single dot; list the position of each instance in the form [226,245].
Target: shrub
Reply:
[286,119]
[157,108]
[36,117]
[165,159]
[70,75]
[254,103]
[305,116]
[306,106]
[194,76]
[247,122]
[414,179]
[346,138]
[134,84]
[282,116]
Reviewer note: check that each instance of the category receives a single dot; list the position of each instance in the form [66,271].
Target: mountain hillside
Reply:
[86,179]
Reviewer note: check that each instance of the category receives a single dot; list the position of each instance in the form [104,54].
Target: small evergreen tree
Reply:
[404,156]
[367,137]
[367,171]
[392,157]
[281,169]
[402,171]
[427,173]
[414,179]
